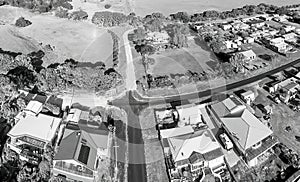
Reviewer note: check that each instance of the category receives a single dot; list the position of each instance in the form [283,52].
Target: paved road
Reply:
[130,73]
[133,103]
[209,92]
[136,154]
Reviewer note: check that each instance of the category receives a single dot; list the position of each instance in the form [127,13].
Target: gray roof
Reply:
[68,146]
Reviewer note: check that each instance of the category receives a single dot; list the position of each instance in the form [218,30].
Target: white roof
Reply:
[277,40]
[248,93]
[41,127]
[248,53]
[34,106]
[189,114]
[167,133]
[246,129]
[183,146]
[76,114]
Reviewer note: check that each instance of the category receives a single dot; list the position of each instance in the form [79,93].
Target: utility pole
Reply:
[116,157]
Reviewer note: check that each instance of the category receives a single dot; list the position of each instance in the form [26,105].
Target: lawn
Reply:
[81,41]
[197,58]
[92,6]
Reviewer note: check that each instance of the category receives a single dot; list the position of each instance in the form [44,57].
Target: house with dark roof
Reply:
[84,143]
[251,137]
[193,150]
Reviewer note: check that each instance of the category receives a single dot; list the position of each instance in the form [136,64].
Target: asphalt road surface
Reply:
[205,93]
[136,153]
[133,103]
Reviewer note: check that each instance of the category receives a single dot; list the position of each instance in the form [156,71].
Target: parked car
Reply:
[228,145]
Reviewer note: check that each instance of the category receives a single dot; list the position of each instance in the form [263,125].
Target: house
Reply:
[289,89]
[265,17]
[288,28]
[39,103]
[189,115]
[273,32]
[230,44]
[158,38]
[278,45]
[248,96]
[251,137]
[280,18]
[248,40]
[256,23]
[81,149]
[225,26]
[75,115]
[289,36]
[249,55]
[32,134]
[193,151]
[272,86]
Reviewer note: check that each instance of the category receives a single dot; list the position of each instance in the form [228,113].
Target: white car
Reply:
[226,141]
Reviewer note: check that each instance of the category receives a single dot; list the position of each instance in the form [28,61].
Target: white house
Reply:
[189,115]
[289,36]
[249,55]
[248,96]
[225,26]
[32,134]
[248,40]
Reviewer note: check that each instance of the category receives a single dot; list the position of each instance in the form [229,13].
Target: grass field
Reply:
[92,6]
[144,7]
[81,41]
[196,58]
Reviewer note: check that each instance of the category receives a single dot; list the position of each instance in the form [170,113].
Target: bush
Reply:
[107,6]
[61,13]
[22,22]
[79,15]
[108,19]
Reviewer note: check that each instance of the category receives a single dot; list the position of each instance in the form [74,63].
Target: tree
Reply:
[181,16]
[154,25]
[217,46]
[79,15]
[145,49]
[179,35]
[139,36]
[238,62]
[44,170]
[22,22]
[108,19]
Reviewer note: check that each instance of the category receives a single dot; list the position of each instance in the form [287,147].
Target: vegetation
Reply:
[22,22]
[41,6]
[107,6]
[116,48]
[179,34]
[109,19]
[21,72]
[78,15]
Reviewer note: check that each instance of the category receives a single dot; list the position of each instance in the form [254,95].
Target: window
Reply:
[84,154]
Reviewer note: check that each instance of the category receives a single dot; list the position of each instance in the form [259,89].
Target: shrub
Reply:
[107,6]
[22,22]
[61,13]
[79,15]
[108,19]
